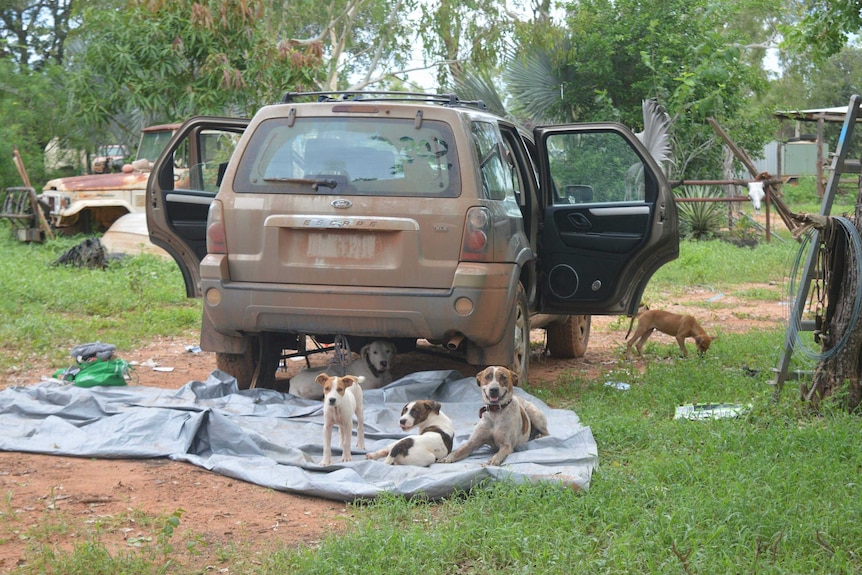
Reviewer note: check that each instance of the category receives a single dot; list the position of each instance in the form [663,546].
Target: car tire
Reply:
[242,366]
[568,339]
[520,365]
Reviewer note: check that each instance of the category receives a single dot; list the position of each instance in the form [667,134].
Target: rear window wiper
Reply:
[315,183]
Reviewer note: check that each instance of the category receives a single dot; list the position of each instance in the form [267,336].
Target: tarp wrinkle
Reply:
[275,440]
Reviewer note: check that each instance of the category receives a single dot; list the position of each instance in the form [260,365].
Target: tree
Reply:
[838,373]
[33,37]
[822,28]
[823,31]
[33,33]
[614,54]
[171,59]
[462,33]
[30,119]
[363,42]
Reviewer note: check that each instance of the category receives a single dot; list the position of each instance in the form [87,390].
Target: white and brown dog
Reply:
[374,364]
[433,443]
[342,398]
[505,421]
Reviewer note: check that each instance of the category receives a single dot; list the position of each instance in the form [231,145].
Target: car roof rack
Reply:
[376,96]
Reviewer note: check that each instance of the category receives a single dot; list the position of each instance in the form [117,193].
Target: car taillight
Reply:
[216,242]
[477,235]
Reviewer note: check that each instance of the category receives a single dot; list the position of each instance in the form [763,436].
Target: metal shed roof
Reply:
[836,114]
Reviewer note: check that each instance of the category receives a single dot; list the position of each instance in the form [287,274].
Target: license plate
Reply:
[342,246]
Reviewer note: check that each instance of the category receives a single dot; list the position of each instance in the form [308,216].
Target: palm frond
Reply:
[656,132]
[532,80]
[480,86]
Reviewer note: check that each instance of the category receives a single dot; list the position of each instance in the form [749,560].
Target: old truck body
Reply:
[95,201]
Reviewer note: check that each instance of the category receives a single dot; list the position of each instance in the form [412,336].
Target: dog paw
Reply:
[324,462]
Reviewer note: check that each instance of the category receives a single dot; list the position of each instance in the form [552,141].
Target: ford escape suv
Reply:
[399,216]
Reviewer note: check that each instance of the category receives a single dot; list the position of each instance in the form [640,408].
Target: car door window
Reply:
[595,168]
[214,150]
[495,171]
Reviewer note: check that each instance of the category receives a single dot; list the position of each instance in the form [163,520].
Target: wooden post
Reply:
[821,182]
[780,207]
[34,202]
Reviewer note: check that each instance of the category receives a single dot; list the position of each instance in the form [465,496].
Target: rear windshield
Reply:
[350,156]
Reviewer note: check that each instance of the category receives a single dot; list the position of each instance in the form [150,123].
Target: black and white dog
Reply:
[433,443]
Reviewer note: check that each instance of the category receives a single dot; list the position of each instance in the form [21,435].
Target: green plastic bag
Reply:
[102,372]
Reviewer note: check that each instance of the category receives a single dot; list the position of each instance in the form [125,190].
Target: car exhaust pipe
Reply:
[455,342]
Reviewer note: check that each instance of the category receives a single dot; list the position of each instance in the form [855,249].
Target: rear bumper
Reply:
[233,309]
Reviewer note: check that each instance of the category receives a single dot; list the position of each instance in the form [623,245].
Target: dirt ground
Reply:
[63,500]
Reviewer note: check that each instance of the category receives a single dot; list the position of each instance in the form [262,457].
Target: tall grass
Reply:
[774,491]
[46,310]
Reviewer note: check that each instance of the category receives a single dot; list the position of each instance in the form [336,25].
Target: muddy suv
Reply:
[406,217]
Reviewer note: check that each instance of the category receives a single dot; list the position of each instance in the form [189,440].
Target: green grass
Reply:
[776,491]
[46,310]
[721,265]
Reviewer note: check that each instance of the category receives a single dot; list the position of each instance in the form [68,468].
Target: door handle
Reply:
[580,222]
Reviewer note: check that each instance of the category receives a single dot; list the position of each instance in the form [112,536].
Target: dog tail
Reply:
[631,324]
[642,308]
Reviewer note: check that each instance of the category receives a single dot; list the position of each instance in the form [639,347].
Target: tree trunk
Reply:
[838,375]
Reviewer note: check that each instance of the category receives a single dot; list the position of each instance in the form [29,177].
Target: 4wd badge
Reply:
[341,203]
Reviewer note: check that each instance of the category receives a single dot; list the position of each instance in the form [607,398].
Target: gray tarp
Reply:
[275,440]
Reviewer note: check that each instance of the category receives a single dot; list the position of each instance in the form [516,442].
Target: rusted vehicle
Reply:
[110,158]
[93,202]
[405,217]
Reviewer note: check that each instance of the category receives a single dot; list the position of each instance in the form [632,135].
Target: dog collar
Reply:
[372,368]
[493,408]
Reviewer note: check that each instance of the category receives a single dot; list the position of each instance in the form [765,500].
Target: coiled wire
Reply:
[854,243]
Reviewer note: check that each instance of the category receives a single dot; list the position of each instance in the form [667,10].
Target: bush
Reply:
[700,220]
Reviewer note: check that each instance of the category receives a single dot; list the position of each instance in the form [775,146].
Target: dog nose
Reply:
[384,364]
[402,421]
[331,401]
[494,392]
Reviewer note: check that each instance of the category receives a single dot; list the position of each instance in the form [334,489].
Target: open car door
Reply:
[183,183]
[609,220]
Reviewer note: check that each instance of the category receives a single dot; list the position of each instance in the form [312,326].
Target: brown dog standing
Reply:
[678,326]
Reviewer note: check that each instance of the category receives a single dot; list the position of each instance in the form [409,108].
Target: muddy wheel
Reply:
[569,338]
[243,365]
[521,358]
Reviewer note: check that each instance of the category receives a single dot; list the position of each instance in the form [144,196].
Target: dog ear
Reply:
[435,407]
[514,376]
[392,349]
[348,380]
[363,353]
[321,378]
[480,376]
